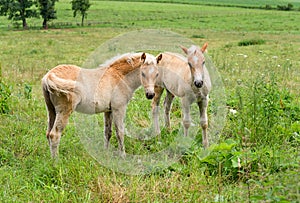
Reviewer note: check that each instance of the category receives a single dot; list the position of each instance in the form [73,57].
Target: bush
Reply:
[289,7]
[249,42]
[268,7]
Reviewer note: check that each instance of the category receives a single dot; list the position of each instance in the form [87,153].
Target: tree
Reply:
[80,6]
[47,11]
[17,10]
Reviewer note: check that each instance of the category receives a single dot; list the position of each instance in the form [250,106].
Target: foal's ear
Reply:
[158,58]
[184,49]
[204,47]
[143,57]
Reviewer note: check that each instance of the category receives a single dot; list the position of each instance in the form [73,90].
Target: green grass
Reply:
[231,3]
[262,84]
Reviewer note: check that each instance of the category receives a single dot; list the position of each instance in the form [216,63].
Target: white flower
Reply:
[232,111]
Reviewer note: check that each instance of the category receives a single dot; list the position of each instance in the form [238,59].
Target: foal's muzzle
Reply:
[199,83]
[150,95]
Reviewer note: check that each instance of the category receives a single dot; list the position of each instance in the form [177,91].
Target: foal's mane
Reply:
[125,63]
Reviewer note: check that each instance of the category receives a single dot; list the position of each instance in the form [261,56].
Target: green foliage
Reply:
[262,106]
[27,91]
[230,3]
[47,11]
[256,158]
[235,162]
[81,6]
[249,42]
[5,94]
[17,10]
[268,7]
[289,7]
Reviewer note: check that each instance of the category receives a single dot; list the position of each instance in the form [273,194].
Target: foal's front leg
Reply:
[118,117]
[167,106]
[204,120]
[155,108]
[186,103]
[107,131]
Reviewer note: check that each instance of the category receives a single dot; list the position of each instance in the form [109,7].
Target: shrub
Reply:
[289,7]
[249,42]
[268,7]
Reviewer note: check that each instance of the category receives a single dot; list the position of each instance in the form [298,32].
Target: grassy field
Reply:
[257,156]
[231,3]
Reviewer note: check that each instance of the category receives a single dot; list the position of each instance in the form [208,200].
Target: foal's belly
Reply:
[92,107]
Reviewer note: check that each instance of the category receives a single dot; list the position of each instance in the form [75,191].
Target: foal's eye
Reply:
[190,65]
[156,75]
[143,74]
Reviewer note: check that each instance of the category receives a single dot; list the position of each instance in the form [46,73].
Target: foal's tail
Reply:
[52,83]
[50,107]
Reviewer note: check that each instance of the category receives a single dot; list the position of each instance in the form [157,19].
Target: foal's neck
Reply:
[132,80]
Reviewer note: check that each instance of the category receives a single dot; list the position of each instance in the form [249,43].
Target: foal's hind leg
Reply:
[55,134]
[204,120]
[50,110]
[63,112]
[51,120]
[167,106]
[107,131]
[155,108]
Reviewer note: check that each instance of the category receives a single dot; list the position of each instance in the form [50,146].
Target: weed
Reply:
[5,93]
[27,91]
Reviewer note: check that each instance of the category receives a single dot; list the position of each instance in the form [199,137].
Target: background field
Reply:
[230,3]
[257,157]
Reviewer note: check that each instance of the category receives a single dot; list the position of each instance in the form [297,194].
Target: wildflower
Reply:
[232,111]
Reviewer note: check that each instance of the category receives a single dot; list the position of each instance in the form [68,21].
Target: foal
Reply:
[107,89]
[187,79]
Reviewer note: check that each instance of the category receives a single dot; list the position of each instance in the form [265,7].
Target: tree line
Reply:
[21,10]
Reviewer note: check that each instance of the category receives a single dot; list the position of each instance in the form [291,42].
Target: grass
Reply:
[257,157]
[230,3]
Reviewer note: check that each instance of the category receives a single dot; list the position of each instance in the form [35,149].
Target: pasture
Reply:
[257,157]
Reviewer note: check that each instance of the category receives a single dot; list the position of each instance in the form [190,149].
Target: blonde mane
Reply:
[125,63]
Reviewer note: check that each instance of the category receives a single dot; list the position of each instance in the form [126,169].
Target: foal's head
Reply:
[149,73]
[196,61]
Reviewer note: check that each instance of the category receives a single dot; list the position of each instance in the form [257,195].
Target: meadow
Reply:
[256,159]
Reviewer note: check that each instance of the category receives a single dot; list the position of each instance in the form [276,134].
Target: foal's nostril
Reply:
[150,95]
[198,83]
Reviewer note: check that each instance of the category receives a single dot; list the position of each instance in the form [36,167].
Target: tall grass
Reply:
[256,158]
